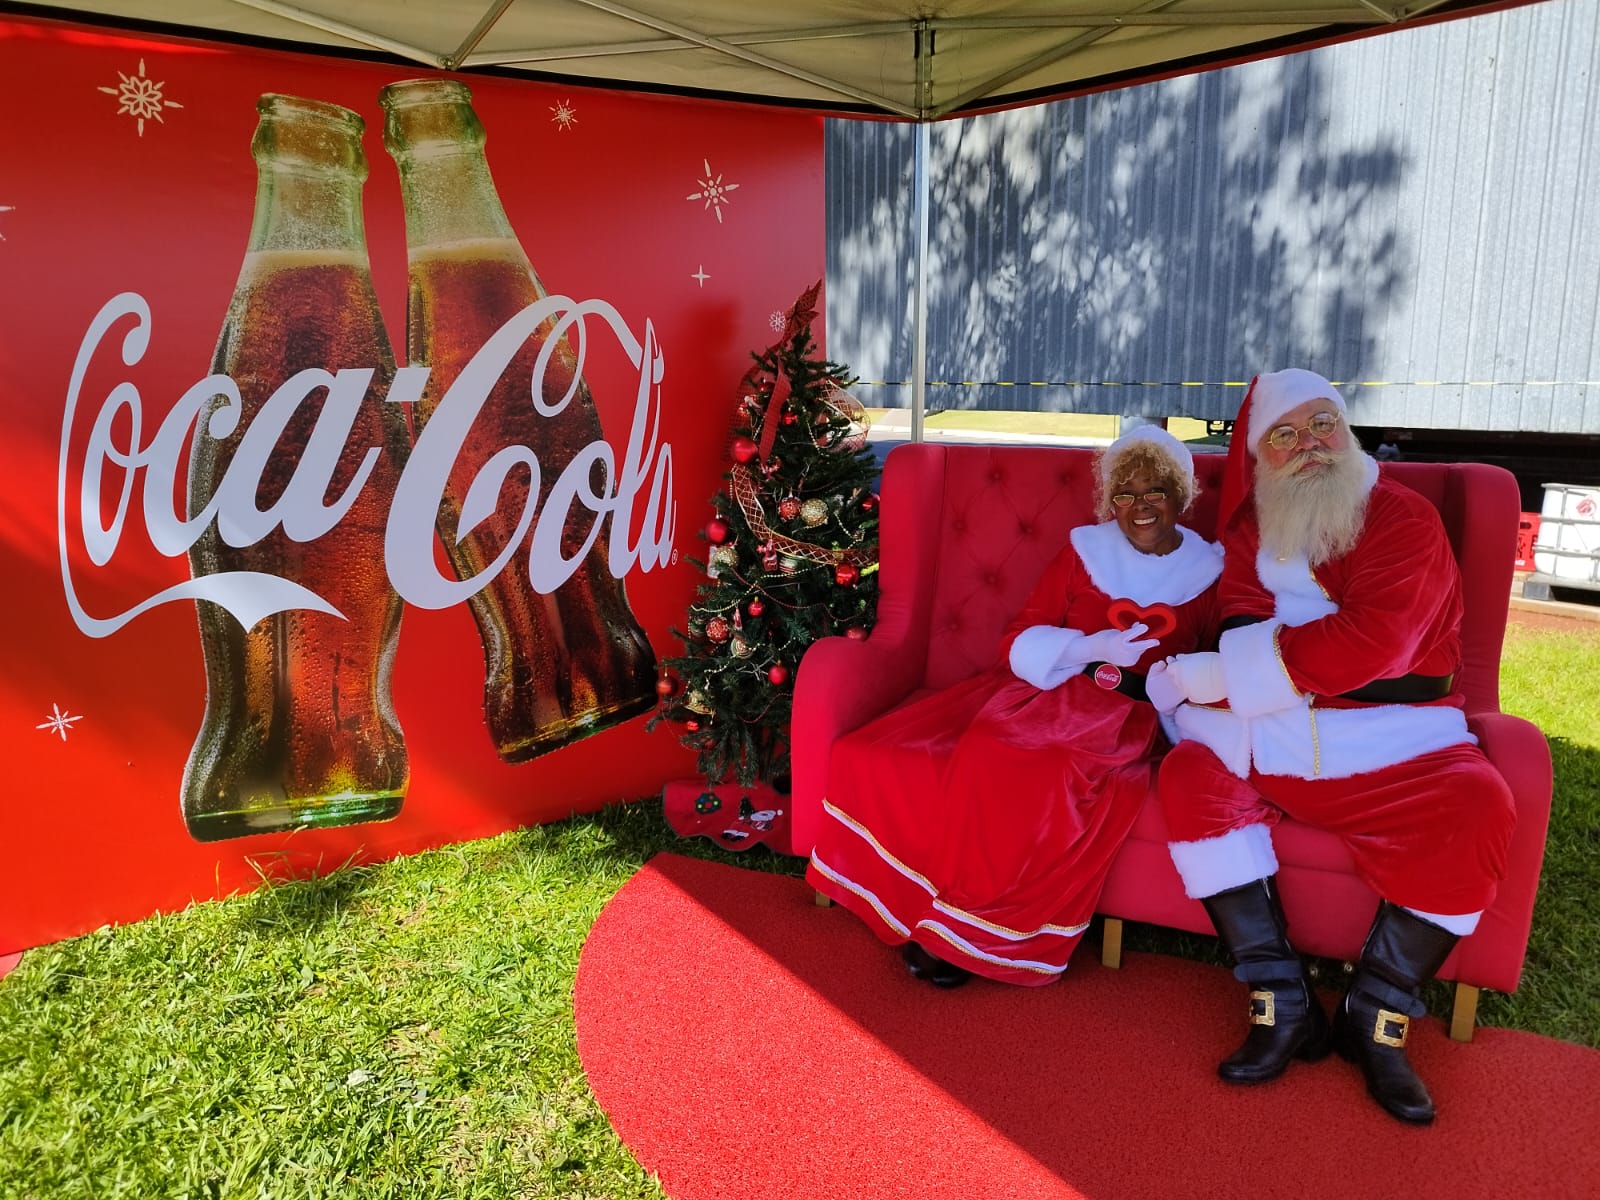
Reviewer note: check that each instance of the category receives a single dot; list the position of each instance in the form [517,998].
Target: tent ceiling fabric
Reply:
[868,57]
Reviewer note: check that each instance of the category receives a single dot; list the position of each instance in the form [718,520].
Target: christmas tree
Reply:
[793,556]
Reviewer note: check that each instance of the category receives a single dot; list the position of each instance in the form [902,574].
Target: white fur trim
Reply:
[1336,743]
[1460,924]
[1300,598]
[1122,572]
[1226,734]
[1156,436]
[1232,860]
[1280,392]
[1047,655]
[1256,677]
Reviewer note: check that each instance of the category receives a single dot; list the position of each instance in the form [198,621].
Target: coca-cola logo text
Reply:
[152,468]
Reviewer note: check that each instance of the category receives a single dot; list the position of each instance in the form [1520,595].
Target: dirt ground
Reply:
[1557,618]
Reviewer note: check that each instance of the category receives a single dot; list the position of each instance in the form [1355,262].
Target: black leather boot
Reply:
[1286,1022]
[930,967]
[1402,952]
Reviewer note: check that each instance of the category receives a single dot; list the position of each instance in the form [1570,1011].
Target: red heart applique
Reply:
[1159,618]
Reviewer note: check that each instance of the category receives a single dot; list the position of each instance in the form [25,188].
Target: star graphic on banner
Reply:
[6,208]
[58,722]
[564,114]
[140,97]
[713,191]
[700,274]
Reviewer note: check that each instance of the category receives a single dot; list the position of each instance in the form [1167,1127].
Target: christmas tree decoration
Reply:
[793,558]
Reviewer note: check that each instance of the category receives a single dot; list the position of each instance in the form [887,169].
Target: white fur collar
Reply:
[1120,571]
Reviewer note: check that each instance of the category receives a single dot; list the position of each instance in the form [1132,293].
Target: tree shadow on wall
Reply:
[1196,229]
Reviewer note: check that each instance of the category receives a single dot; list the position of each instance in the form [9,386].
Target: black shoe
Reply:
[929,967]
[1286,1020]
[1370,1026]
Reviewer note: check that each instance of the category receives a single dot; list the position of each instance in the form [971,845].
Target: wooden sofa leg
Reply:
[1111,943]
[822,901]
[1465,1012]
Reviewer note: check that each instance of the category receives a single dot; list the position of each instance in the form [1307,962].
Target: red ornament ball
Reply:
[666,687]
[717,629]
[846,574]
[717,531]
[870,503]
[743,449]
[692,725]
[778,675]
[788,508]
[856,633]
[757,608]
[788,417]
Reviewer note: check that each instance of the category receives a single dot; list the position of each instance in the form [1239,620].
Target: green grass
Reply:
[405,1030]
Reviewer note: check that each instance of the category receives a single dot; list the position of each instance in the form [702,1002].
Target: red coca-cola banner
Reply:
[356,427]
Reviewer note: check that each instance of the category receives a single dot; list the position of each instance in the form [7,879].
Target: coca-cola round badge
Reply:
[1108,676]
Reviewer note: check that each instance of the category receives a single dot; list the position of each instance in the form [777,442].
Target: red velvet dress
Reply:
[981,820]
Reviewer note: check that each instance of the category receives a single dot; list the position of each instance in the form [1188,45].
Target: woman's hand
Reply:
[1120,647]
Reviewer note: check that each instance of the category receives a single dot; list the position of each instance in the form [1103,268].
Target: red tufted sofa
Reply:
[967,530]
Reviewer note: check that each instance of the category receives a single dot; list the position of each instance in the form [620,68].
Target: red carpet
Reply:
[747,1044]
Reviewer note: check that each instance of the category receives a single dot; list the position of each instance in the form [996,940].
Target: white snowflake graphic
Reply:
[6,208]
[58,722]
[140,97]
[564,114]
[777,320]
[700,275]
[713,191]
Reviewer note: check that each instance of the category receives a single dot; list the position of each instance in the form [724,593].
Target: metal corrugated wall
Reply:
[1416,215]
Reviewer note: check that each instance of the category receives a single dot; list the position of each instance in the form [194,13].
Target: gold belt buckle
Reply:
[1380,1028]
[1267,1014]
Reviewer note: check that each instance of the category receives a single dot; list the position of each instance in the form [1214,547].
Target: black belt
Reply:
[1117,679]
[1403,689]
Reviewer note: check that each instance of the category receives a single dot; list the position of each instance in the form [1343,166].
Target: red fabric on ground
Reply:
[733,817]
[747,1044]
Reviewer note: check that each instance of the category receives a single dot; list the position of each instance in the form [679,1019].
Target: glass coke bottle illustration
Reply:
[562,665]
[299,727]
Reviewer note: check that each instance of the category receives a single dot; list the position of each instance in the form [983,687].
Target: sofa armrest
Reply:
[1493,956]
[841,685]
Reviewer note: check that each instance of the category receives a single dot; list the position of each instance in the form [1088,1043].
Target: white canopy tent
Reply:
[915,60]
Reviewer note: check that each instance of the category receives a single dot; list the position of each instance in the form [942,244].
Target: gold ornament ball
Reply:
[814,512]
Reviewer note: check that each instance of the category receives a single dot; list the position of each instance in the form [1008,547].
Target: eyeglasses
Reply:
[1321,427]
[1157,496]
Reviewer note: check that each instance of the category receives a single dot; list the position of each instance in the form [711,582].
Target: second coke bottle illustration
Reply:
[562,665]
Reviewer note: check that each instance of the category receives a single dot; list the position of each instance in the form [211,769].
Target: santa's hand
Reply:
[1120,647]
[1163,688]
[1199,677]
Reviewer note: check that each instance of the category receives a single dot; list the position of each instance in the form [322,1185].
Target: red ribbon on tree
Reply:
[799,317]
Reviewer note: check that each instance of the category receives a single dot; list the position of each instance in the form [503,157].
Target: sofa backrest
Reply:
[988,519]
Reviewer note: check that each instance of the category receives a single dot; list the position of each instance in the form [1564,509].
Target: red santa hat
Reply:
[1268,400]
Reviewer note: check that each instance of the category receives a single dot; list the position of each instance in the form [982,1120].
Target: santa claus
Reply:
[1331,698]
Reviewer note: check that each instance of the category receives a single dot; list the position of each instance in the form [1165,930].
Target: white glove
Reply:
[1121,647]
[1163,688]
[1196,677]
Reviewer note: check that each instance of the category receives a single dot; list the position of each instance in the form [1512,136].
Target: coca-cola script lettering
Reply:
[646,469]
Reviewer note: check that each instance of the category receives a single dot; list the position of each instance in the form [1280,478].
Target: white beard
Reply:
[1318,514]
